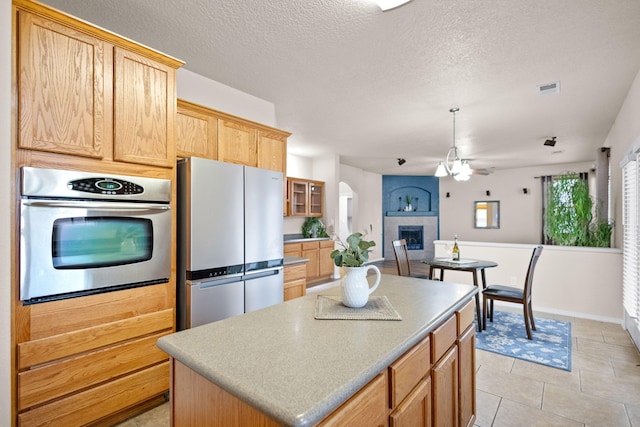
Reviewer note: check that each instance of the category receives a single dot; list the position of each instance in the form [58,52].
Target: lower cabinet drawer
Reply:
[98,402]
[443,338]
[296,271]
[465,316]
[408,370]
[52,381]
[368,407]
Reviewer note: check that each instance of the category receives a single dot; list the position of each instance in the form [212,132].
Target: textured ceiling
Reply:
[374,86]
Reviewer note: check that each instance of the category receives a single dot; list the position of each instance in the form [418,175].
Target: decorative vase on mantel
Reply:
[355,286]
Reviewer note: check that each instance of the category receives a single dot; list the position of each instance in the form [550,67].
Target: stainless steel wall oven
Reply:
[83,233]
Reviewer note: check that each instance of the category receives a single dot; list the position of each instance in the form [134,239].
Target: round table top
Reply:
[464,263]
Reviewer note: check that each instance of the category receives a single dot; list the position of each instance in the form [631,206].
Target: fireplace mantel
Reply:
[410,213]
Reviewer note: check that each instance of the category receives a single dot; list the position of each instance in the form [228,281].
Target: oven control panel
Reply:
[110,186]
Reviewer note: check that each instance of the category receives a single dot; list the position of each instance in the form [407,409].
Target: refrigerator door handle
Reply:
[263,273]
[207,283]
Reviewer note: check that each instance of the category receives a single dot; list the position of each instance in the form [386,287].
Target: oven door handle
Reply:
[107,206]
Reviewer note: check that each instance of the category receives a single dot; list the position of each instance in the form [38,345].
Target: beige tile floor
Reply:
[602,389]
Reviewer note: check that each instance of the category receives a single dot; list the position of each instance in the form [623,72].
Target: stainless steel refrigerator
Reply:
[230,249]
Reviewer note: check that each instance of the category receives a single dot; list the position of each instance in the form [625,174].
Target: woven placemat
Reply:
[377,308]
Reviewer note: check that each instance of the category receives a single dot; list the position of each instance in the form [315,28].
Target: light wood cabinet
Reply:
[144,110]
[88,99]
[306,197]
[272,151]
[205,132]
[311,251]
[445,385]
[368,407]
[61,96]
[410,385]
[415,410]
[237,143]
[414,390]
[88,358]
[70,74]
[295,282]
[293,249]
[196,132]
[466,343]
[325,263]
[320,266]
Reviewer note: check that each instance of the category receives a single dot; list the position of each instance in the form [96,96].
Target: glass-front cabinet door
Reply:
[316,199]
[306,198]
[298,196]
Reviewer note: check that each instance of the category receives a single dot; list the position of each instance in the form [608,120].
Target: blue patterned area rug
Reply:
[506,335]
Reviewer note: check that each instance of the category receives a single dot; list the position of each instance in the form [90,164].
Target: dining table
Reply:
[474,266]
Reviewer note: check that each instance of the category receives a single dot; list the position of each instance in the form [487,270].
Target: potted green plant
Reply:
[409,200]
[352,256]
[313,227]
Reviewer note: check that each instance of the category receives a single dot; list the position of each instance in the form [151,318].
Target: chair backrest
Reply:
[528,284]
[402,257]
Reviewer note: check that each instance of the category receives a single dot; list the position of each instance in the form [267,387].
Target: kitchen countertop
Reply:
[302,239]
[291,260]
[297,369]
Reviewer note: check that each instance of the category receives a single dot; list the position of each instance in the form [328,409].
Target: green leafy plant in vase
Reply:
[409,200]
[354,253]
[352,256]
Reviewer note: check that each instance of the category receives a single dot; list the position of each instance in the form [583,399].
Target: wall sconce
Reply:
[525,190]
[488,193]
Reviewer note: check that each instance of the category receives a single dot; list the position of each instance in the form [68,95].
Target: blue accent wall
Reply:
[425,189]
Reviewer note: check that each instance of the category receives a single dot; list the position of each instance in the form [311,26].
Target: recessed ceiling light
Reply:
[390,4]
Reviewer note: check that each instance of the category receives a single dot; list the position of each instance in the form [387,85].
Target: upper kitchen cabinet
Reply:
[272,151]
[197,132]
[306,197]
[84,91]
[205,132]
[144,110]
[62,90]
[237,143]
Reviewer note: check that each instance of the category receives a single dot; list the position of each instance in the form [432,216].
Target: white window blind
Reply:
[631,245]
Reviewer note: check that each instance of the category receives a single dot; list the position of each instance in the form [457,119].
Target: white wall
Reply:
[209,93]
[367,205]
[624,132]
[5,214]
[520,214]
[573,281]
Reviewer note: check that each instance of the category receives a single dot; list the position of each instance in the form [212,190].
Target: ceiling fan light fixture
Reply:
[459,168]
[466,169]
[390,4]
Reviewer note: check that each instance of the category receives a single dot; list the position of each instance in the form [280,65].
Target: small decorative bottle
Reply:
[455,252]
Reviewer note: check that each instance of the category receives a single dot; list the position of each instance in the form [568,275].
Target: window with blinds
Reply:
[631,245]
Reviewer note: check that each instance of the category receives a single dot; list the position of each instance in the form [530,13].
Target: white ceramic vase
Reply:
[355,286]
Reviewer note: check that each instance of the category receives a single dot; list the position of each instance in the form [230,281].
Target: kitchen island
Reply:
[281,366]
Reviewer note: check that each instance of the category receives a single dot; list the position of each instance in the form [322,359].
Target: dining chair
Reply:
[402,259]
[514,295]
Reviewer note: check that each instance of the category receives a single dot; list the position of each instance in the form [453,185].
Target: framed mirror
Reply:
[486,214]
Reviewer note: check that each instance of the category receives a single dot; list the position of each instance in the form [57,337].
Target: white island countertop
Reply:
[297,369]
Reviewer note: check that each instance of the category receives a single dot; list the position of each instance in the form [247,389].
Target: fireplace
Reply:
[414,235]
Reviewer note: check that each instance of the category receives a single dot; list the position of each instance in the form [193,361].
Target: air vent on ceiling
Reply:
[549,88]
